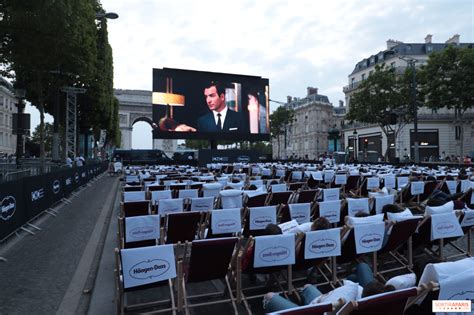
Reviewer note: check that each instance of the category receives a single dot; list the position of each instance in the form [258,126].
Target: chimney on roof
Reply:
[428,39]
[453,40]
[289,99]
[311,90]
[392,43]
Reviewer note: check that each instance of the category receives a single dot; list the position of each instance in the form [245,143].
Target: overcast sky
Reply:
[295,44]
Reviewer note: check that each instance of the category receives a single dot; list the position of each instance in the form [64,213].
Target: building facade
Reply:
[438,131]
[307,136]
[8,102]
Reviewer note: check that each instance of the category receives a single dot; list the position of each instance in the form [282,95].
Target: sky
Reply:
[295,44]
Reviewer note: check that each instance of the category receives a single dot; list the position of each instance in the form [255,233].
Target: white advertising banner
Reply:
[317,175]
[445,225]
[331,210]
[417,188]
[328,176]
[340,179]
[274,250]
[331,194]
[145,265]
[300,212]
[289,227]
[144,227]
[166,206]
[452,186]
[369,237]
[202,204]
[226,221]
[402,181]
[356,205]
[321,244]
[373,183]
[381,201]
[459,287]
[389,181]
[260,217]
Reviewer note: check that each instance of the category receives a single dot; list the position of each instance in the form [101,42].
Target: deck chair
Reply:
[127,188]
[356,205]
[166,206]
[181,227]
[351,183]
[201,204]
[230,198]
[301,212]
[231,223]
[211,190]
[134,208]
[257,199]
[389,303]
[401,234]
[127,259]
[154,187]
[278,188]
[139,231]
[257,218]
[296,185]
[279,198]
[304,196]
[133,196]
[208,260]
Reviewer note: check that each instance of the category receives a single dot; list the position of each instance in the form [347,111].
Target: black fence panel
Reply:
[36,195]
[13,211]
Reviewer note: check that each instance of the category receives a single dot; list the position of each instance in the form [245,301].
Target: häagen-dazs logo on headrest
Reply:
[8,207]
[322,246]
[274,253]
[226,224]
[370,240]
[262,221]
[445,227]
[148,269]
[143,231]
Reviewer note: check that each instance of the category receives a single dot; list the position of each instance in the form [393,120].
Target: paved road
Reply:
[46,273]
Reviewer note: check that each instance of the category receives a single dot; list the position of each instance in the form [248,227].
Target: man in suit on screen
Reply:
[220,118]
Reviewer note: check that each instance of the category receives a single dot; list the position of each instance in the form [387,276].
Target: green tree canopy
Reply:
[279,121]
[381,99]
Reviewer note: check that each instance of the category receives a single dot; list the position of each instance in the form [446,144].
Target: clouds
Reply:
[293,43]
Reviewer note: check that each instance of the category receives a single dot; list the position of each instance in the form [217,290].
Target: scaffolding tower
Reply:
[71,119]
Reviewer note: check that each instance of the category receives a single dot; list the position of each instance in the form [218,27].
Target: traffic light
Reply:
[366,143]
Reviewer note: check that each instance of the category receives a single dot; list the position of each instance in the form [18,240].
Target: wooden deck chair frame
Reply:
[121,297]
[389,303]
[271,271]
[401,234]
[182,225]
[311,309]
[277,198]
[186,264]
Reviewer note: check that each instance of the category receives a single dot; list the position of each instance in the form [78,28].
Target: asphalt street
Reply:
[54,270]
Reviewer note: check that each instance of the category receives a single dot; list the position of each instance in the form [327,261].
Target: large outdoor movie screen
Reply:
[205,105]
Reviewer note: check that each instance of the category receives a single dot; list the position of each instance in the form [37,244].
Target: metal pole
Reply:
[19,133]
[415,112]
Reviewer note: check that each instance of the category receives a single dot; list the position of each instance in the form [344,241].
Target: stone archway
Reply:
[135,106]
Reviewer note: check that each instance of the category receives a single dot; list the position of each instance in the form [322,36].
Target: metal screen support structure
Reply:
[71,119]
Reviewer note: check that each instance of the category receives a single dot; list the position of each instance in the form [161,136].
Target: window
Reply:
[429,48]
[370,72]
[392,65]
[1,100]
[363,76]
[352,82]
[457,135]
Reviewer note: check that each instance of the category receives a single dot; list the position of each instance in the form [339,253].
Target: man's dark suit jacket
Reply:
[234,122]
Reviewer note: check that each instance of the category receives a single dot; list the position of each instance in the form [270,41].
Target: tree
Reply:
[448,82]
[279,121]
[382,98]
[33,142]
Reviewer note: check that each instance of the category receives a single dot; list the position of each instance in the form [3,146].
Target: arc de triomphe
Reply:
[135,106]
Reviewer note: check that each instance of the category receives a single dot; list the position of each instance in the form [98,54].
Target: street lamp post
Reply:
[20,94]
[355,144]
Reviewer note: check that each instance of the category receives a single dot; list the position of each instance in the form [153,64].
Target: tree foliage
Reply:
[382,99]
[49,44]
[279,121]
[32,143]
